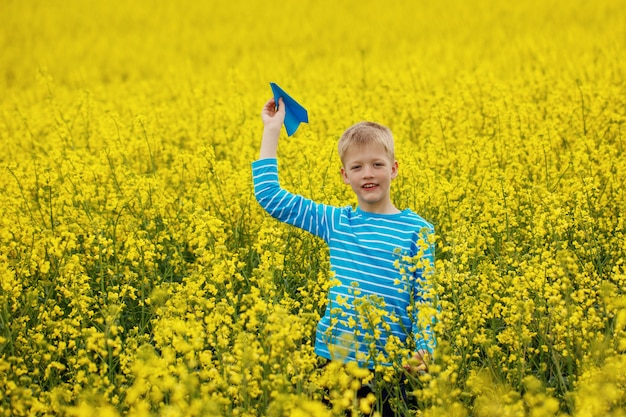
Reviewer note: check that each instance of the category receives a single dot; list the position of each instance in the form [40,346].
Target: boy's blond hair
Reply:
[365,133]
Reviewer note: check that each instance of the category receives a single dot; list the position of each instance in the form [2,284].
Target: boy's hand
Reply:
[418,363]
[273,118]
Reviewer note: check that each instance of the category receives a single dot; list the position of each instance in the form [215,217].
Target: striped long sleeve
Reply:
[375,302]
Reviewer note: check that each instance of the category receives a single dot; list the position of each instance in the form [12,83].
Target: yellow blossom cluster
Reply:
[139,277]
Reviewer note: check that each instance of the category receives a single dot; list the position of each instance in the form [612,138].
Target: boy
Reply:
[369,246]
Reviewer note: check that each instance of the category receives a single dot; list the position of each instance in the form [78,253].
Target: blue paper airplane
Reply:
[294,112]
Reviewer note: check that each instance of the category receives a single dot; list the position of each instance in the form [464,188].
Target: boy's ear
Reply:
[394,169]
[344,176]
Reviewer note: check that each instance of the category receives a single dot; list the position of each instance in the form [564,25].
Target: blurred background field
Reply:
[138,276]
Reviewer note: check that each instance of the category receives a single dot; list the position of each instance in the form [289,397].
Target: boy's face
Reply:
[369,171]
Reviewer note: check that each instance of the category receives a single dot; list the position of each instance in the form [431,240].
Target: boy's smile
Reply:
[369,170]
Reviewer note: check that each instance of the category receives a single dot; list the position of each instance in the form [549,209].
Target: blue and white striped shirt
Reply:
[378,289]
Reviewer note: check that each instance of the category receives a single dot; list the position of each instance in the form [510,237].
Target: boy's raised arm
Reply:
[272,122]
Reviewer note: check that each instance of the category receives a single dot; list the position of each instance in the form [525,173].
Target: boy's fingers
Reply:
[418,363]
[269,109]
[281,105]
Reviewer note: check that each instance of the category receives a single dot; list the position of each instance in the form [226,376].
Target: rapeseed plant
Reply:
[139,277]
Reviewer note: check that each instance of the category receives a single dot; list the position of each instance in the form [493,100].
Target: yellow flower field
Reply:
[139,276]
